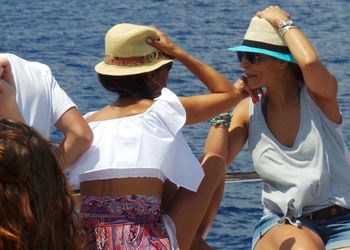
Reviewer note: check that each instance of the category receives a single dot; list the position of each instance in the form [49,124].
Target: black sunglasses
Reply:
[250,56]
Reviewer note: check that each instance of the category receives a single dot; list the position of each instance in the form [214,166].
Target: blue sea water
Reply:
[68,35]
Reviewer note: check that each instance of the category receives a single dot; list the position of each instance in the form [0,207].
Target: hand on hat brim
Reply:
[163,43]
[274,15]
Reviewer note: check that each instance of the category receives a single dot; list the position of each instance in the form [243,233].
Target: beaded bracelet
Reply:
[221,120]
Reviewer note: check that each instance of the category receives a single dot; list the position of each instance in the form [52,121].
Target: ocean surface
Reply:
[68,35]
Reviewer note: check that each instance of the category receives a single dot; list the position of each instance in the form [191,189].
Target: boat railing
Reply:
[244,176]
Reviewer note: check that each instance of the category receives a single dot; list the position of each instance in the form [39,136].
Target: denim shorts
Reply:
[334,232]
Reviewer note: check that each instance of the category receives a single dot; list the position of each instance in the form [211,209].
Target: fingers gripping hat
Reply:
[128,53]
[261,37]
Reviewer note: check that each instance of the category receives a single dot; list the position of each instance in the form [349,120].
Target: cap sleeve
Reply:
[169,110]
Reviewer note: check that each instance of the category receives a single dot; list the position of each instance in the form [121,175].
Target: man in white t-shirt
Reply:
[29,93]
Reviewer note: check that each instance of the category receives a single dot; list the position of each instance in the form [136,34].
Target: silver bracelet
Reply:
[283,31]
[284,26]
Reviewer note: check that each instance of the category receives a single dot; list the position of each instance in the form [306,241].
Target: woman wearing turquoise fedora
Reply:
[293,130]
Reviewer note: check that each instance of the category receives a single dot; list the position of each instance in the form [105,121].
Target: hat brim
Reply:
[278,55]
[114,70]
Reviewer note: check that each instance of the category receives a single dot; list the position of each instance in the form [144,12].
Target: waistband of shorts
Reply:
[328,213]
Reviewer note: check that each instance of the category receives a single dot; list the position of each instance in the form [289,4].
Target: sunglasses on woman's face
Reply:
[249,56]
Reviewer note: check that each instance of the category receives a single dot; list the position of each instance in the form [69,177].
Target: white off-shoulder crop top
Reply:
[149,144]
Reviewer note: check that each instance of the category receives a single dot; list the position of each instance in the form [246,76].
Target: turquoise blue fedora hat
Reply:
[261,37]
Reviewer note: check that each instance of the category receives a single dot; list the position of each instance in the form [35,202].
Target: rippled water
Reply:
[68,35]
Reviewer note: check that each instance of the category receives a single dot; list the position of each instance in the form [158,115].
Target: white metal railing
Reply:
[238,177]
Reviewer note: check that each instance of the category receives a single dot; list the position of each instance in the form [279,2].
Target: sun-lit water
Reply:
[68,35]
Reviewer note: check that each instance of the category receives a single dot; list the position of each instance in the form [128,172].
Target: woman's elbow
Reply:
[86,138]
[310,62]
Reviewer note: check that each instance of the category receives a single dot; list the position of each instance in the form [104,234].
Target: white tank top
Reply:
[312,174]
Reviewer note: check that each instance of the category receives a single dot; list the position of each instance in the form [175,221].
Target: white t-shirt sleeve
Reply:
[61,102]
[39,97]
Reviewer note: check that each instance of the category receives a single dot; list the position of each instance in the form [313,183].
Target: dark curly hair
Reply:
[143,85]
[36,207]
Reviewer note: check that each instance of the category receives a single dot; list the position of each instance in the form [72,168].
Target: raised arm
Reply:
[321,84]
[77,135]
[239,130]
[229,142]
[8,104]
[201,107]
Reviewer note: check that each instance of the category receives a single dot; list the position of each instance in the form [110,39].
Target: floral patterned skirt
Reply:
[127,222]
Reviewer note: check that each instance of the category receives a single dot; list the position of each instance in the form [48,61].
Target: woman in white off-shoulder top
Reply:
[139,154]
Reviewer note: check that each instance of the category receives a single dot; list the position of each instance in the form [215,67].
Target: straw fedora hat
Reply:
[128,53]
[261,37]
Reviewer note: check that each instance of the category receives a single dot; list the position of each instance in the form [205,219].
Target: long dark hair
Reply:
[36,207]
